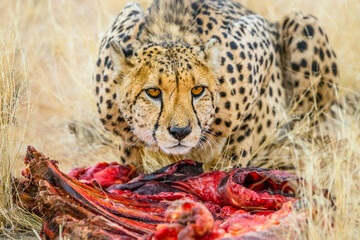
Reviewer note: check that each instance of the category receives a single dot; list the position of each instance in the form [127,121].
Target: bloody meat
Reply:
[179,201]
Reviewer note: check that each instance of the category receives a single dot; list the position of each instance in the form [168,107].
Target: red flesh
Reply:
[202,206]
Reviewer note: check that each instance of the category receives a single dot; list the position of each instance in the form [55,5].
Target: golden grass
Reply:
[48,50]
[13,84]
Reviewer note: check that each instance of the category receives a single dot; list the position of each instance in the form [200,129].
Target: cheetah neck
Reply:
[177,25]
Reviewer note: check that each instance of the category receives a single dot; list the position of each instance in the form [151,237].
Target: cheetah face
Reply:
[168,93]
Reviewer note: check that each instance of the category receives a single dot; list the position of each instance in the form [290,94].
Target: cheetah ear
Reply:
[212,53]
[120,58]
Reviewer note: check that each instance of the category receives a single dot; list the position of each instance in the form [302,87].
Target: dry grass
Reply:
[13,85]
[48,50]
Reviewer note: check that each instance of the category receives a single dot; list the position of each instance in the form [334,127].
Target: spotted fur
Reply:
[251,71]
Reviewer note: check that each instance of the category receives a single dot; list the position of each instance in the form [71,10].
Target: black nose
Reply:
[180,133]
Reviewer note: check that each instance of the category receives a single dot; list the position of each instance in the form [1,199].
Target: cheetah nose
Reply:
[180,133]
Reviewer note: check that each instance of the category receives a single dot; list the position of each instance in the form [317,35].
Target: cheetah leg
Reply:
[129,154]
[240,146]
[308,64]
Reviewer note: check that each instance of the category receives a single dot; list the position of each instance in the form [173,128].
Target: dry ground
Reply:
[47,53]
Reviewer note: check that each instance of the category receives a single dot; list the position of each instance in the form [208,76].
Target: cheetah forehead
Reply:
[171,59]
[168,51]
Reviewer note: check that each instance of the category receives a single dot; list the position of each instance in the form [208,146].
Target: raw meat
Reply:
[179,201]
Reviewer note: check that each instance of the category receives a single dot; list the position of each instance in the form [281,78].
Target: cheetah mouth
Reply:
[177,149]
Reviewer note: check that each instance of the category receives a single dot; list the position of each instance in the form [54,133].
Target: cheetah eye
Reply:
[197,91]
[153,92]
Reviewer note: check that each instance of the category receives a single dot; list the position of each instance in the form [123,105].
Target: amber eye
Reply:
[197,91]
[153,92]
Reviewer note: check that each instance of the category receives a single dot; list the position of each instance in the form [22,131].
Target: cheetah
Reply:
[200,79]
